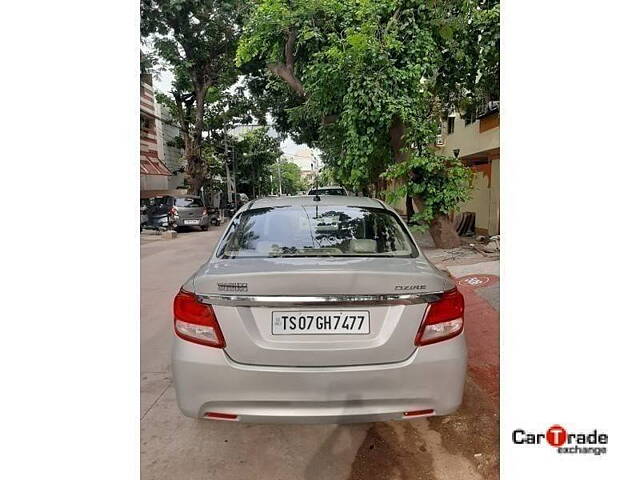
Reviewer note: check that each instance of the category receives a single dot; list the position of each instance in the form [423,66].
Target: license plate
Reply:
[192,222]
[320,323]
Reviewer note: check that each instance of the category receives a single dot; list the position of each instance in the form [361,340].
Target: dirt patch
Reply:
[461,446]
[392,452]
[473,431]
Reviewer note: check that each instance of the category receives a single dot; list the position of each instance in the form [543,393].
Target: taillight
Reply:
[418,413]
[442,319]
[195,321]
[221,416]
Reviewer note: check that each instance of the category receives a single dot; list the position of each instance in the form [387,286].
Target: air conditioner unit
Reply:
[440,140]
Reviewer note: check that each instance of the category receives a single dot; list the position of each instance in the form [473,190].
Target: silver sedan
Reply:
[318,310]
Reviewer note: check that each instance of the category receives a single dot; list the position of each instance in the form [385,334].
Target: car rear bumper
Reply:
[207,380]
[180,222]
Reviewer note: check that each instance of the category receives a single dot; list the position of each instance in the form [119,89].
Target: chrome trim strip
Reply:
[318,300]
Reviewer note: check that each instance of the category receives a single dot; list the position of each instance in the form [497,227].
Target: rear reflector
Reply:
[417,413]
[221,416]
[195,321]
[443,319]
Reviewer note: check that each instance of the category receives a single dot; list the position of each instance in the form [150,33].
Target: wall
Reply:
[153,182]
[480,199]
[150,164]
[485,197]
[469,139]
[172,156]
[479,145]
[494,209]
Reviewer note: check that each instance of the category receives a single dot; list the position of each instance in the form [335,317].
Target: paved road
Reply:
[459,447]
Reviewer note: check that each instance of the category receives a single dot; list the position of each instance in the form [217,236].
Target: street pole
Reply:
[313,170]
[235,188]
[226,166]
[279,178]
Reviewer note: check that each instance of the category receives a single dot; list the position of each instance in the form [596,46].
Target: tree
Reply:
[256,152]
[439,183]
[326,177]
[196,40]
[367,82]
[285,174]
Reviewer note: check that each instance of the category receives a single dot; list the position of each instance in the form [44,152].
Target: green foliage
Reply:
[196,40]
[289,174]
[326,177]
[441,183]
[366,65]
[255,153]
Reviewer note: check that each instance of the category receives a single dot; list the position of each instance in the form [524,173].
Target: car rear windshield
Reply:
[327,191]
[188,202]
[316,231]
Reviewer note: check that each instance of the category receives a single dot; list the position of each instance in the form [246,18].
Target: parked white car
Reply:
[318,310]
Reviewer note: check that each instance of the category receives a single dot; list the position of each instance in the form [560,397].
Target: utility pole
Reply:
[235,189]
[279,178]
[232,195]
[315,174]
[226,166]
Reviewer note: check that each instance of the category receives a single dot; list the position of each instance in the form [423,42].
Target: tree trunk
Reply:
[396,134]
[253,183]
[444,233]
[442,229]
[196,168]
[410,210]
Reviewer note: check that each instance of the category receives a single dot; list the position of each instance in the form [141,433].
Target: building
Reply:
[154,175]
[168,152]
[477,144]
[308,162]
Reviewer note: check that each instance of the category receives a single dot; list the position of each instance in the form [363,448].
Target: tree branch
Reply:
[285,70]
[329,119]
[288,48]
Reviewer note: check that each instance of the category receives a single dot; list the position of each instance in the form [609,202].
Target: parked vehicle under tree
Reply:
[318,310]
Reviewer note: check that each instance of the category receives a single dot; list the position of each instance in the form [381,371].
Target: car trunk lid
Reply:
[248,294]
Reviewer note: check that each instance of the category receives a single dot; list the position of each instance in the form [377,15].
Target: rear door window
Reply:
[188,202]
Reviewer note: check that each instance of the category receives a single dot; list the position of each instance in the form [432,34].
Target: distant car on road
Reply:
[328,191]
[171,211]
[318,310]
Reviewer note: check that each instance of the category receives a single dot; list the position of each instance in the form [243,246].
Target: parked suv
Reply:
[178,211]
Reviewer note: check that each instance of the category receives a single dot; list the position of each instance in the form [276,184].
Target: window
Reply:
[188,202]
[315,231]
[327,191]
[451,124]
